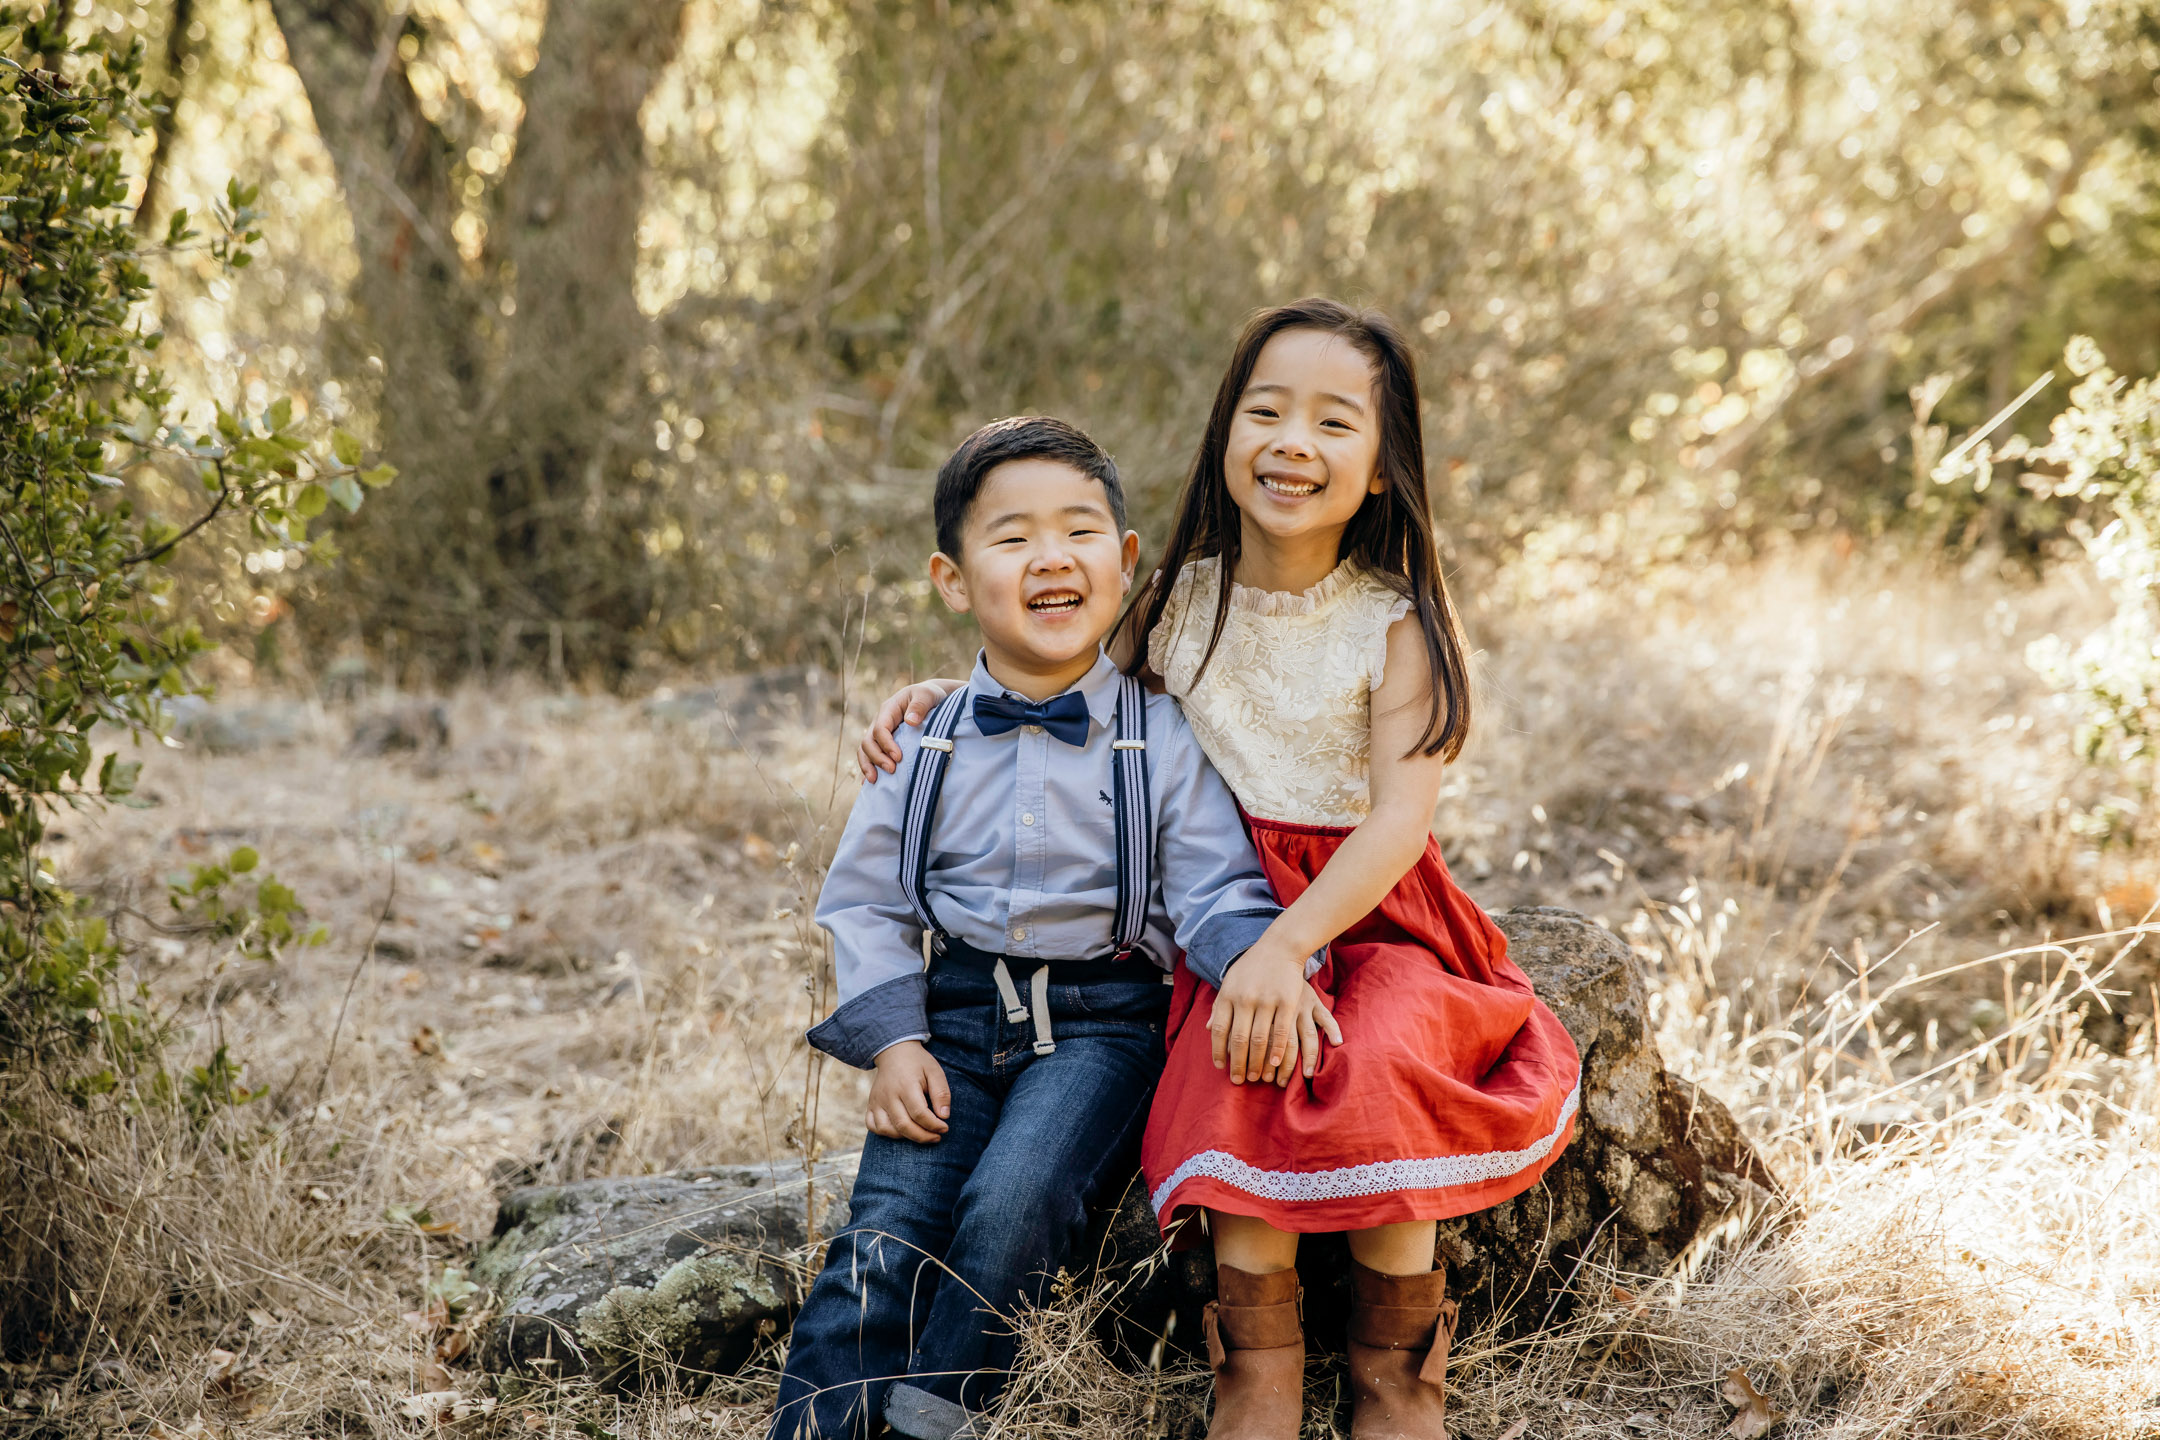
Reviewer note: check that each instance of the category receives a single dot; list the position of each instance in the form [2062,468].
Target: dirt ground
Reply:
[571,939]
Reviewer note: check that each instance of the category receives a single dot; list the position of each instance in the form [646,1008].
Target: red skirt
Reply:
[1454,1087]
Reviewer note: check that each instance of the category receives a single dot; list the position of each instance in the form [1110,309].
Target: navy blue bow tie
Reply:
[1065,716]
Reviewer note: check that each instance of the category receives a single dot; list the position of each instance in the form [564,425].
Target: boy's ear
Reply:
[951,582]
[1129,556]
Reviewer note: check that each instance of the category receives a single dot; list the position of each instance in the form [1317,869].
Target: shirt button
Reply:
[1019,932]
[1028,818]
[1032,729]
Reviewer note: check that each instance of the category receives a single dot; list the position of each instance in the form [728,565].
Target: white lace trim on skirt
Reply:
[1380,1177]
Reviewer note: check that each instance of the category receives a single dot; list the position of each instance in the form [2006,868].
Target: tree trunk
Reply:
[512,425]
[179,44]
[569,414]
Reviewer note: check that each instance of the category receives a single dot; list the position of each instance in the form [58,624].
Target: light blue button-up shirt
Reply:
[1023,863]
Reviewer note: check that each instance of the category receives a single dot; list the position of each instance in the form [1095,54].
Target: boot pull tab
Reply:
[1434,1371]
[1217,1357]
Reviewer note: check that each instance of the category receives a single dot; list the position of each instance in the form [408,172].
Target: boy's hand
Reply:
[909,1099]
[1268,1020]
[911,706]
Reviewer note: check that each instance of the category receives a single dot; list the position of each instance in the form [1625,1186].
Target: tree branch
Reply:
[217,507]
[1930,291]
[178,46]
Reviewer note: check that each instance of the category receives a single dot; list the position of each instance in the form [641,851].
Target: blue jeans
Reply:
[943,1240]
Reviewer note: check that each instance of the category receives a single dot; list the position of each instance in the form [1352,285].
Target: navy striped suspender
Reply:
[925,780]
[1132,805]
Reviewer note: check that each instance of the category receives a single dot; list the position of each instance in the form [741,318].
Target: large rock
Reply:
[607,1276]
[596,1274]
[225,728]
[407,725]
[750,709]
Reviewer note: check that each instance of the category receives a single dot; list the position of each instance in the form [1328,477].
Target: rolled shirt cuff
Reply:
[1222,938]
[879,1018]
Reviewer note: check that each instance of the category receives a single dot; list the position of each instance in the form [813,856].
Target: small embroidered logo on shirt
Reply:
[1104,796]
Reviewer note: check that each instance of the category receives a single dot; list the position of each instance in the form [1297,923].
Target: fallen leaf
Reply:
[1643,1420]
[261,1319]
[534,1420]
[452,1347]
[2129,902]
[1755,1415]
[433,1408]
[1515,1431]
[434,1376]
[433,1316]
[236,1395]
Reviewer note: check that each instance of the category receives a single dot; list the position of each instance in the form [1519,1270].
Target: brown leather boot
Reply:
[1256,1344]
[1400,1330]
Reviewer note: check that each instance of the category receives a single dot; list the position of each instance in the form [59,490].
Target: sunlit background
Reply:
[1810,662]
[666,311]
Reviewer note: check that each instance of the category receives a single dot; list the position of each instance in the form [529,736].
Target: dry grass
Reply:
[595,960]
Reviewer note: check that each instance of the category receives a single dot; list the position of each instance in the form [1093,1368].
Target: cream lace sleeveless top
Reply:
[1285,706]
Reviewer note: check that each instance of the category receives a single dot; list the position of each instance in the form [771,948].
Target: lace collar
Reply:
[1255,601]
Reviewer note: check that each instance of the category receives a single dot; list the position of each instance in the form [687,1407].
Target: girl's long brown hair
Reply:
[1391,535]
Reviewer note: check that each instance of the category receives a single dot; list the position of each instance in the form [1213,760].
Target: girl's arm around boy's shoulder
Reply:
[882,748]
[879,753]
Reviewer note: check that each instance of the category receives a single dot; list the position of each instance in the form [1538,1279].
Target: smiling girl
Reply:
[1328,682]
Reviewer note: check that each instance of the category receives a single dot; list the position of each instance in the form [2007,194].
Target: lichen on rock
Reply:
[701,1314]
[610,1277]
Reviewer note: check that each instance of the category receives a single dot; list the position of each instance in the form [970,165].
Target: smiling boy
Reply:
[1059,841]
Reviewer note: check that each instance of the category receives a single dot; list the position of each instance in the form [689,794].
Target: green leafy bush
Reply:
[90,635]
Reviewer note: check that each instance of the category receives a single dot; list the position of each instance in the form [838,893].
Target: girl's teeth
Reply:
[1289,487]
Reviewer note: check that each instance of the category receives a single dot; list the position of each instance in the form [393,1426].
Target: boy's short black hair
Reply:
[1022,437]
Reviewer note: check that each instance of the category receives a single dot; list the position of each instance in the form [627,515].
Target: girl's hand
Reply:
[909,706]
[1267,1020]
[909,1099]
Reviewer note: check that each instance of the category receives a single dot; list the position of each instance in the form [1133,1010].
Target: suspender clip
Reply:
[1128,744]
[931,742]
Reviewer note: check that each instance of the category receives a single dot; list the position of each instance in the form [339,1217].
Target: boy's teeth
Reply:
[1055,602]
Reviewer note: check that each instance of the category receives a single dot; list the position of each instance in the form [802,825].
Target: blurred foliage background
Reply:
[666,310]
